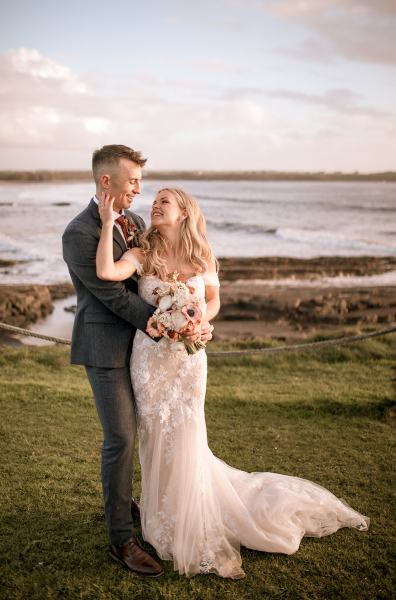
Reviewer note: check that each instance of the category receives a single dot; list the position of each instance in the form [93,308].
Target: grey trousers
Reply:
[115,405]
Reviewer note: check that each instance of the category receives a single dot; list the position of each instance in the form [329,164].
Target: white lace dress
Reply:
[196,509]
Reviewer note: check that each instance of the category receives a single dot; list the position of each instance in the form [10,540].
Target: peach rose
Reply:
[154,329]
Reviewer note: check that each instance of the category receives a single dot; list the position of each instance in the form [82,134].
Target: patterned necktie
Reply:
[129,230]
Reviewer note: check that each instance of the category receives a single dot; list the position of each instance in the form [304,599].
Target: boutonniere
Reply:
[132,231]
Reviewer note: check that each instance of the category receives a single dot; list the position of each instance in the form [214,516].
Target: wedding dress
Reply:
[195,509]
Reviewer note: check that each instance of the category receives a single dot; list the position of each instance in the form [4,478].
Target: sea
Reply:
[244,218]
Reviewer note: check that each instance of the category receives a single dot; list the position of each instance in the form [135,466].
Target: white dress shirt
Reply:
[115,216]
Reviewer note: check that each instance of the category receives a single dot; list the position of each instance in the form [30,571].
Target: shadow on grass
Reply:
[381,409]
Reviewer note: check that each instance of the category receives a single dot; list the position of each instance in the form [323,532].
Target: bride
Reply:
[195,509]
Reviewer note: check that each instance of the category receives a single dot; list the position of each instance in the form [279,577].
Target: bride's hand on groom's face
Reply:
[106,208]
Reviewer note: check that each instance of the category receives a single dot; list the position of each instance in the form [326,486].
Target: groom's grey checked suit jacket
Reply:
[108,313]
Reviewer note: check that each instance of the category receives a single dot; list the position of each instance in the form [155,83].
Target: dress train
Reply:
[196,510]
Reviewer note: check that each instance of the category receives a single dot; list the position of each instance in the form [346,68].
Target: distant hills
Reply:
[44,175]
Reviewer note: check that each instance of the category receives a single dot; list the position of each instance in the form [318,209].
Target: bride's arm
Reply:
[106,268]
[212,292]
[212,296]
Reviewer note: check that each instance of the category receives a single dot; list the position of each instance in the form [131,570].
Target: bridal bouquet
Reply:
[178,313]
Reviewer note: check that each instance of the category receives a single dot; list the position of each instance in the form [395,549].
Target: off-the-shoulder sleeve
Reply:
[211,279]
[132,259]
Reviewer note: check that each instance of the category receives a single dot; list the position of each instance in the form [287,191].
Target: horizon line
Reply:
[208,174]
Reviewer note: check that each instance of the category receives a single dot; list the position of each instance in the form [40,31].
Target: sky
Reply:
[291,85]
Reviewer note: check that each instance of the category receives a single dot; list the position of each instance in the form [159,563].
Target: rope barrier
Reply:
[29,333]
[228,353]
[307,346]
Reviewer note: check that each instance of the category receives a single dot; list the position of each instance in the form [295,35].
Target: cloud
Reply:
[291,8]
[217,65]
[358,30]
[97,125]
[28,64]
[341,101]
[52,118]
[44,105]
[41,101]
[228,23]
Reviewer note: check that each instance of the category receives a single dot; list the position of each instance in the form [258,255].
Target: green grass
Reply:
[327,415]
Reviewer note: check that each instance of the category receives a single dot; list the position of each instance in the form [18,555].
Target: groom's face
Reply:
[124,183]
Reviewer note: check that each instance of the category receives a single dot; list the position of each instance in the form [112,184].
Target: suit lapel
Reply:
[117,237]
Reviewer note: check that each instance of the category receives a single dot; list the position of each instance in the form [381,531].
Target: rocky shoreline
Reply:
[252,306]
[279,267]
[284,312]
[22,305]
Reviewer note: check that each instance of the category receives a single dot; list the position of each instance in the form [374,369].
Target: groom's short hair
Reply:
[111,155]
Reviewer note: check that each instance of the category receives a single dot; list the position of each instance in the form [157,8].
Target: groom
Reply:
[107,316]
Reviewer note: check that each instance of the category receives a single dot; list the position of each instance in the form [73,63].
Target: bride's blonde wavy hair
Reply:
[193,247]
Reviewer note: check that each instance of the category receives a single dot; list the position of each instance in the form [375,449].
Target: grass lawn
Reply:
[327,415]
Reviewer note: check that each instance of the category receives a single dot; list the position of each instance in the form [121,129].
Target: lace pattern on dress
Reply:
[197,510]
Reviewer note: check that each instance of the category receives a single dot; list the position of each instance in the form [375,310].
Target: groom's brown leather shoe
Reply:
[135,510]
[134,558]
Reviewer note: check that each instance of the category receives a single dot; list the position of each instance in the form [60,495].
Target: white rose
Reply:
[178,320]
[165,303]
[181,297]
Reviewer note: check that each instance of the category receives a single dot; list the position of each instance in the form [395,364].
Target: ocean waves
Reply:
[239,226]
[317,239]
[301,220]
